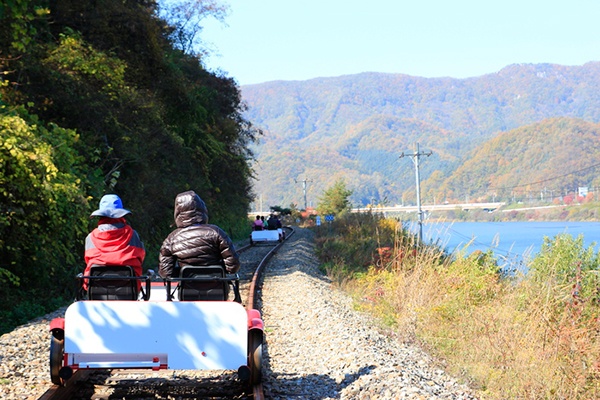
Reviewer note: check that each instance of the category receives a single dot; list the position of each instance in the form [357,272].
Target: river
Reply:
[508,240]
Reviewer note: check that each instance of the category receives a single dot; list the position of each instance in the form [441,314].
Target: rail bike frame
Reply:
[158,332]
[266,236]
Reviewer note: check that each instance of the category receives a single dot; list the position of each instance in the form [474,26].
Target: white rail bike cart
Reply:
[181,323]
[266,236]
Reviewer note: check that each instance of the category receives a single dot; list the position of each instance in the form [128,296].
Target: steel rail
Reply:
[254,285]
[66,392]
[257,389]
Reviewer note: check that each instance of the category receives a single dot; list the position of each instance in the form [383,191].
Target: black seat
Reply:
[203,283]
[108,286]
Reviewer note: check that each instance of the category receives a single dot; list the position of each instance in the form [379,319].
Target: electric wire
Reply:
[545,180]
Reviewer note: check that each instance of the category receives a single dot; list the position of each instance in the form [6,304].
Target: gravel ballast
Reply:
[316,346]
[320,348]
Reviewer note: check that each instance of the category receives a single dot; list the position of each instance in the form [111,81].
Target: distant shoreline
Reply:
[589,212]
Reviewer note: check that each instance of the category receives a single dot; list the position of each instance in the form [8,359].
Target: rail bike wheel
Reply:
[57,348]
[255,355]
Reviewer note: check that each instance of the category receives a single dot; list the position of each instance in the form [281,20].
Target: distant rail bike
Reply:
[267,236]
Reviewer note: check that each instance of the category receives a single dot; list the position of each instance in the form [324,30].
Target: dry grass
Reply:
[531,337]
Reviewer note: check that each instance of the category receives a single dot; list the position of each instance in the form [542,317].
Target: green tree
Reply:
[97,98]
[186,18]
[335,200]
[43,216]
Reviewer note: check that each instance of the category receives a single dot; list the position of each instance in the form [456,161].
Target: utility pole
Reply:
[415,158]
[304,188]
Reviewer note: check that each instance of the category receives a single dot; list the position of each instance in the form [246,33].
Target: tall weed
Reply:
[525,336]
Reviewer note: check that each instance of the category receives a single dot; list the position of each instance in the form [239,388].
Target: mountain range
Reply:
[525,130]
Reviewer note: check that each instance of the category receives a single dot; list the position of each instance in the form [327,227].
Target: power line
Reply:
[546,180]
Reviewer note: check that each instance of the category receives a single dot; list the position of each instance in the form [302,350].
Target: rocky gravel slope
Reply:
[318,347]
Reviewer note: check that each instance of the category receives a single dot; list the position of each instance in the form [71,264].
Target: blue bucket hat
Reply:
[111,206]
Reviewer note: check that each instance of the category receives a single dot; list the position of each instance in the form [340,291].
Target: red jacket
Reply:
[114,242]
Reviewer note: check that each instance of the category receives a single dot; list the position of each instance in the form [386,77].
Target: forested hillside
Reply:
[100,97]
[356,126]
[547,159]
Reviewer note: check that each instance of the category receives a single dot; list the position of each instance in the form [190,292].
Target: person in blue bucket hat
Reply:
[113,241]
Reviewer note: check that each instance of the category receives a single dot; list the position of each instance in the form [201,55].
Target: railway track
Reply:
[133,384]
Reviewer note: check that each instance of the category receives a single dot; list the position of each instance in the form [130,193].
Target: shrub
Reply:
[520,336]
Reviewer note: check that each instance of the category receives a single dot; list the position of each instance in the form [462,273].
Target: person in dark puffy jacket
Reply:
[195,241]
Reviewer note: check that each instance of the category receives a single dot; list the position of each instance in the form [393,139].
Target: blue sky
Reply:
[268,40]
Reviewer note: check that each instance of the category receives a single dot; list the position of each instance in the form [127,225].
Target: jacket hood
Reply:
[190,209]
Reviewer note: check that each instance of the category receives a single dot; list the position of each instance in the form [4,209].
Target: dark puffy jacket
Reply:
[195,242]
